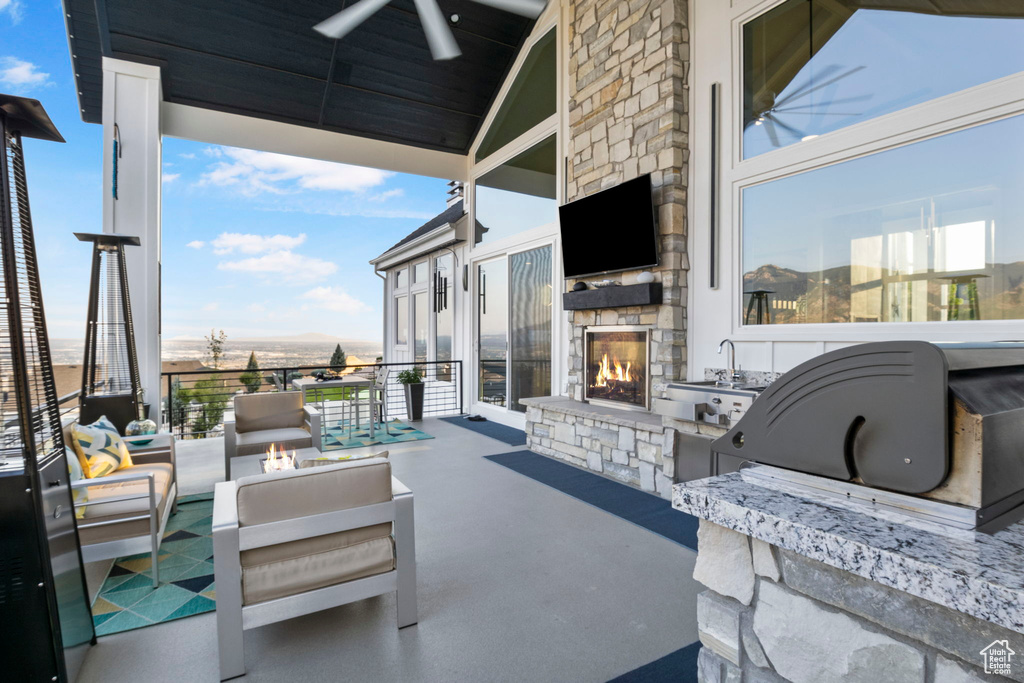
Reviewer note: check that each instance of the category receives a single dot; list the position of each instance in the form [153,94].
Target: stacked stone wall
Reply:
[627,117]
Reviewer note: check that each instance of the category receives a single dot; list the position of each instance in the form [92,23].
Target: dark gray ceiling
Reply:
[262,58]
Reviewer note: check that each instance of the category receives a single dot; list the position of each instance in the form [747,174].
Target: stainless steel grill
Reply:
[916,425]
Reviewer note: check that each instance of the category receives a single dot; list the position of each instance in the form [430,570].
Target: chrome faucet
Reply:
[734,373]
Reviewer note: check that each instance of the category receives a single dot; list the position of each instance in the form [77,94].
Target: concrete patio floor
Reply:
[517,582]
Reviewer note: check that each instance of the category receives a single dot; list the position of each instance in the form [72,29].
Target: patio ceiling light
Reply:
[439,36]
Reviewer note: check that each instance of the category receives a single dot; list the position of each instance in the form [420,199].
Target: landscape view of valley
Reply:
[299,350]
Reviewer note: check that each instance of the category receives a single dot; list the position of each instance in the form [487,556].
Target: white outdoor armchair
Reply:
[270,418]
[293,543]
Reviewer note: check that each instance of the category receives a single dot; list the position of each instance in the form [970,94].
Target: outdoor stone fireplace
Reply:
[628,116]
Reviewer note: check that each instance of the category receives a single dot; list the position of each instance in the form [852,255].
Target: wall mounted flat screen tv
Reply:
[610,231]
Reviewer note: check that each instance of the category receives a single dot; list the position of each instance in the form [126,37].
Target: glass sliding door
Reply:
[530,332]
[492,331]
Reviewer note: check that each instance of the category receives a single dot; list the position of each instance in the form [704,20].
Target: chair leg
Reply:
[155,557]
[227,575]
[405,560]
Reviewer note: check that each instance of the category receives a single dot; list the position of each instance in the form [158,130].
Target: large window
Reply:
[926,228]
[814,66]
[530,99]
[518,195]
[932,231]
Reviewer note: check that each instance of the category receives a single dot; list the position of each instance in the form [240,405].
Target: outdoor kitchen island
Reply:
[810,588]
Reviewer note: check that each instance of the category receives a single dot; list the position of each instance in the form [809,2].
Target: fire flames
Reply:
[612,372]
[278,461]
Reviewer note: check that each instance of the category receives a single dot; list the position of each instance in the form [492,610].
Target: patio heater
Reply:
[44,611]
[110,373]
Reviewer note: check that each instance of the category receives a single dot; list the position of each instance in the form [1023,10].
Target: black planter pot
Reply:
[414,401]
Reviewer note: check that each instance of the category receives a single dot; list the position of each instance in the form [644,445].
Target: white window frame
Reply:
[977,105]
[554,18]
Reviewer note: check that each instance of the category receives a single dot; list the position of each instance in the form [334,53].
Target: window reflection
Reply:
[492,331]
[928,232]
[518,195]
[814,66]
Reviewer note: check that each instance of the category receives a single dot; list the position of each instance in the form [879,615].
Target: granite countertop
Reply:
[978,574]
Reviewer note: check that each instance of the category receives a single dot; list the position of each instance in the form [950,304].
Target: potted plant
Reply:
[413,382]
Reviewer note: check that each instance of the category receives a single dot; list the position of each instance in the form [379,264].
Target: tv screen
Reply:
[610,231]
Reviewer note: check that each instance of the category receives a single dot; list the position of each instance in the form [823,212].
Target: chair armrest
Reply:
[118,479]
[111,479]
[225,506]
[398,488]
[161,449]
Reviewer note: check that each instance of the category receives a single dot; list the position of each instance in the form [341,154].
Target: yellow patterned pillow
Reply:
[75,474]
[100,449]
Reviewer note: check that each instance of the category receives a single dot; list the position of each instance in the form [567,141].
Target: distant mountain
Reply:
[311,337]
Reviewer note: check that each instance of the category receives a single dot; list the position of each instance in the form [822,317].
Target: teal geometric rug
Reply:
[342,435]
[127,600]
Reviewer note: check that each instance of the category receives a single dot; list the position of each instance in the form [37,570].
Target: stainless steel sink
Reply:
[719,403]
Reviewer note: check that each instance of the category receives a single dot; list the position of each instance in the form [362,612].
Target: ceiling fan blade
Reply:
[342,23]
[769,128]
[803,92]
[786,127]
[531,9]
[439,36]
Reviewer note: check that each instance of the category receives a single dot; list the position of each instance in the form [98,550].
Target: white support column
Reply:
[131,101]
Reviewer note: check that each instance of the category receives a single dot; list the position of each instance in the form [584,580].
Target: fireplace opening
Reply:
[616,362]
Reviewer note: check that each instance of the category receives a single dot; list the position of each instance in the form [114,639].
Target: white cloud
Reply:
[196,244]
[13,8]
[18,73]
[190,155]
[213,152]
[334,299]
[284,267]
[170,177]
[257,308]
[227,242]
[252,172]
[387,194]
[210,307]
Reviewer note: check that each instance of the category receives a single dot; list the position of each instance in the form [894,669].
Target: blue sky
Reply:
[255,244]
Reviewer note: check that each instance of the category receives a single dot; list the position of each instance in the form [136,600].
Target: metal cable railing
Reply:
[195,404]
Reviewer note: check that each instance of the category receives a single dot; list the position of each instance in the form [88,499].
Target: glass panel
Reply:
[419,272]
[617,366]
[530,99]
[814,66]
[492,317]
[445,315]
[420,322]
[518,195]
[928,232]
[402,278]
[531,325]
[402,320]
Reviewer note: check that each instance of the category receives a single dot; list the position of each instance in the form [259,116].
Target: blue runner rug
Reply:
[509,435]
[679,666]
[643,509]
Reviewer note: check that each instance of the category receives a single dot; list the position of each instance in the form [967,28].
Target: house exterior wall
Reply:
[627,116]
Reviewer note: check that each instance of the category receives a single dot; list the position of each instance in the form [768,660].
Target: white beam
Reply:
[131,100]
[233,130]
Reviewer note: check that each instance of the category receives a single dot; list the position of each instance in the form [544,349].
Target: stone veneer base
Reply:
[625,445]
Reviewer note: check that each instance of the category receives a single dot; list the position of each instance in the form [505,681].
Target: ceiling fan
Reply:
[435,26]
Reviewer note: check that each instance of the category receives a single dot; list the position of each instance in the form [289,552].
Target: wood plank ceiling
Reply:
[262,58]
